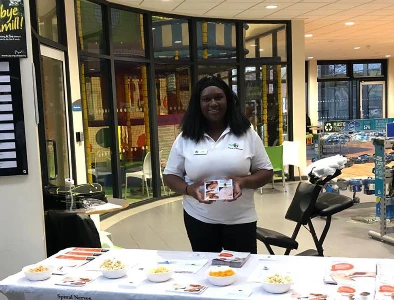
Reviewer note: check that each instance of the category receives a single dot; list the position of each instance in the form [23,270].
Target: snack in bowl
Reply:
[37,272]
[277,284]
[159,274]
[221,275]
[113,268]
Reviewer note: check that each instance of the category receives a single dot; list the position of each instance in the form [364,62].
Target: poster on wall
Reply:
[12,29]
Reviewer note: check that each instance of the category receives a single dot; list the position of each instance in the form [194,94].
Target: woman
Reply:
[217,143]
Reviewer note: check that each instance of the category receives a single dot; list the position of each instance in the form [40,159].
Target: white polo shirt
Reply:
[229,156]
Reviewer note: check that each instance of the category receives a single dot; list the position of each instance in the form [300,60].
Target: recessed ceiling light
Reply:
[388,55]
[253,45]
[261,50]
[92,69]
[310,57]
[178,42]
[271,6]
[357,47]
[308,35]
[349,23]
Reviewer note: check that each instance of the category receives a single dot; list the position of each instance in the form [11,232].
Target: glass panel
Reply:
[226,72]
[282,45]
[173,92]
[367,70]
[47,19]
[170,38]
[133,129]
[56,131]
[95,103]
[90,27]
[331,71]
[372,101]
[267,111]
[266,35]
[216,40]
[333,100]
[127,33]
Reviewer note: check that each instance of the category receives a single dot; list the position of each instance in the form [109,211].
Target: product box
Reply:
[221,189]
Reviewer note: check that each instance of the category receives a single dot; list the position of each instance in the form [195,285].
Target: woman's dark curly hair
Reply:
[194,124]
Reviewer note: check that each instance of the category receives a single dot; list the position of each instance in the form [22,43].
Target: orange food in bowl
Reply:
[225,273]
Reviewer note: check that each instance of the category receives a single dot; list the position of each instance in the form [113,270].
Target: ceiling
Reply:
[373,30]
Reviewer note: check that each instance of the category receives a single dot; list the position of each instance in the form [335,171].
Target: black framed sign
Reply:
[13,155]
[12,29]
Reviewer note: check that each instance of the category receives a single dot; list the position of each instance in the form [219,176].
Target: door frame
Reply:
[43,49]
[383,83]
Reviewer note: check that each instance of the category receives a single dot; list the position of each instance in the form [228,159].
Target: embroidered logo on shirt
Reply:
[234,146]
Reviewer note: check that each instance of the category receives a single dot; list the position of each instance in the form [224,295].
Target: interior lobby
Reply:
[106,83]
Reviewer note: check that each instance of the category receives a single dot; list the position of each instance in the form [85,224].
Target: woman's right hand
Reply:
[193,190]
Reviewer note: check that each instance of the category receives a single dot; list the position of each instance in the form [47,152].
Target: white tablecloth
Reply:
[307,274]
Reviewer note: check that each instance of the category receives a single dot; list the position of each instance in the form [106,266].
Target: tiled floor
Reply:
[160,226]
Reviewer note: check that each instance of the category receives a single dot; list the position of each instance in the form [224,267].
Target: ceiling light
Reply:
[349,23]
[253,45]
[388,55]
[178,42]
[271,6]
[261,50]
[308,35]
[92,69]
[357,47]
[310,57]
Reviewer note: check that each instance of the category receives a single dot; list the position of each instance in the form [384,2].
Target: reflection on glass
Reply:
[216,40]
[371,101]
[56,131]
[332,71]
[170,38]
[266,40]
[173,92]
[90,26]
[266,101]
[133,130]
[96,118]
[333,100]
[47,19]
[127,33]
[367,70]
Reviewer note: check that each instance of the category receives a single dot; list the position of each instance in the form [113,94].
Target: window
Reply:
[127,33]
[47,19]
[170,38]
[332,71]
[333,103]
[216,40]
[367,70]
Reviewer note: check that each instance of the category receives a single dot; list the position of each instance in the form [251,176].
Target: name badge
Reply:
[201,152]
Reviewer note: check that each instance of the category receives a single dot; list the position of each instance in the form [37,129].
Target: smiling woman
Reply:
[215,132]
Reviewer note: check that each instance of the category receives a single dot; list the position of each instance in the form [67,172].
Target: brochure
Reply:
[185,266]
[188,288]
[350,272]
[231,259]
[384,287]
[78,279]
[220,189]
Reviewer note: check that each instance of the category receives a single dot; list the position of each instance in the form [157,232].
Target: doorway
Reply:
[55,111]
[372,99]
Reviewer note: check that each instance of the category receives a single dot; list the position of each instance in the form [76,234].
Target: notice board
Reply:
[12,29]
[13,156]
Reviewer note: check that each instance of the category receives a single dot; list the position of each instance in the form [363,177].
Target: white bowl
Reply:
[221,281]
[158,277]
[113,274]
[276,288]
[37,276]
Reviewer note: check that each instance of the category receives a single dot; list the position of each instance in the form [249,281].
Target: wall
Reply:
[390,88]
[75,88]
[298,77]
[21,223]
[312,91]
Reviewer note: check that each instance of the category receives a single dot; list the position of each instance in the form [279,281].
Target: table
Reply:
[307,274]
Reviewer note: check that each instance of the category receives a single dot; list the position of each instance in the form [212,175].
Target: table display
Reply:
[152,274]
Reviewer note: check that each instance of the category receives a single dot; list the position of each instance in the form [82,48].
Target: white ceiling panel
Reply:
[195,5]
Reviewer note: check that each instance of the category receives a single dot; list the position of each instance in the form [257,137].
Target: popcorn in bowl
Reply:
[113,268]
[277,284]
[37,272]
[159,274]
